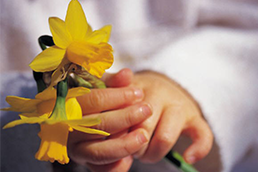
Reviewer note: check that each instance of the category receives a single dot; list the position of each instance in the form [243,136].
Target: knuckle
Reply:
[96,99]
[96,156]
[209,135]
[127,95]
[207,145]
[165,140]
[208,138]
[150,159]
[129,119]
[204,148]
[127,149]
[102,126]
[130,116]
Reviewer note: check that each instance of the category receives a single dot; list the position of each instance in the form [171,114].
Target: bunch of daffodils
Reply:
[73,62]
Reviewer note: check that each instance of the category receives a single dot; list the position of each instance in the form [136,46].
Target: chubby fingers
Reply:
[100,152]
[165,136]
[99,100]
[115,121]
[121,165]
[202,138]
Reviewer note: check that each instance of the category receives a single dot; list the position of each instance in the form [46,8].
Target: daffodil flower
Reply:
[75,42]
[57,115]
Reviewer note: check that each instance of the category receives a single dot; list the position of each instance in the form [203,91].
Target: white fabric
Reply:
[209,47]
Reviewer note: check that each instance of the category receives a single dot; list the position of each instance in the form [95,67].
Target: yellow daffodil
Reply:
[76,42]
[55,125]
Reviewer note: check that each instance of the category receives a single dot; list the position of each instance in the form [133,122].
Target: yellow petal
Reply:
[53,143]
[89,130]
[107,29]
[85,121]
[20,104]
[73,109]
[47,94]
[47,60]
[34,114]
[46,107]
[32,120]
[61,36]
[89,30]
[75,21]
[97,36]
[78,91]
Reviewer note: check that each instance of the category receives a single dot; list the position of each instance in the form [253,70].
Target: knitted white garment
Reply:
[219,68]
[217,65]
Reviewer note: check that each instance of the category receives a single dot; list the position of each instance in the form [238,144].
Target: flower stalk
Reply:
[61,93]
[73,59]
[73,45]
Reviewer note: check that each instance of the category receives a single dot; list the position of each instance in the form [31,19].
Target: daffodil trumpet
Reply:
[58,113]
[75,53]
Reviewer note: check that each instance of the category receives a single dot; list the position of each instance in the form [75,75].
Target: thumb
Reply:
[121,79]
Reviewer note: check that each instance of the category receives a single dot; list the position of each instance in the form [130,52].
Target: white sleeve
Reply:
[219,68]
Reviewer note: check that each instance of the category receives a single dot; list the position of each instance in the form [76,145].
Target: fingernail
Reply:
[191,159]
[142,138]
[138,93]
[146,110]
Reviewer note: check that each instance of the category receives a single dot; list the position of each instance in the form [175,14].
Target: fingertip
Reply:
[190,159]
[202,137]
[120,79]
[142,136]
[124,77]
[126,72]
[199,149]
[146,109]
[192,154]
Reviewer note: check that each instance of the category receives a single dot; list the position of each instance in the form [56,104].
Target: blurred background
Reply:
[208,46]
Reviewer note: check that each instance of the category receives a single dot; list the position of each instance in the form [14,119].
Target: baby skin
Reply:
[145,113]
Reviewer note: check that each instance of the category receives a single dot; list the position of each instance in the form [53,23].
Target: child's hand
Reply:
[174,113]
[126,109]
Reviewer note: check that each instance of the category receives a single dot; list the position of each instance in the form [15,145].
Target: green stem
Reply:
[179,162]
[62,88]
[38,76]
[61,93]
